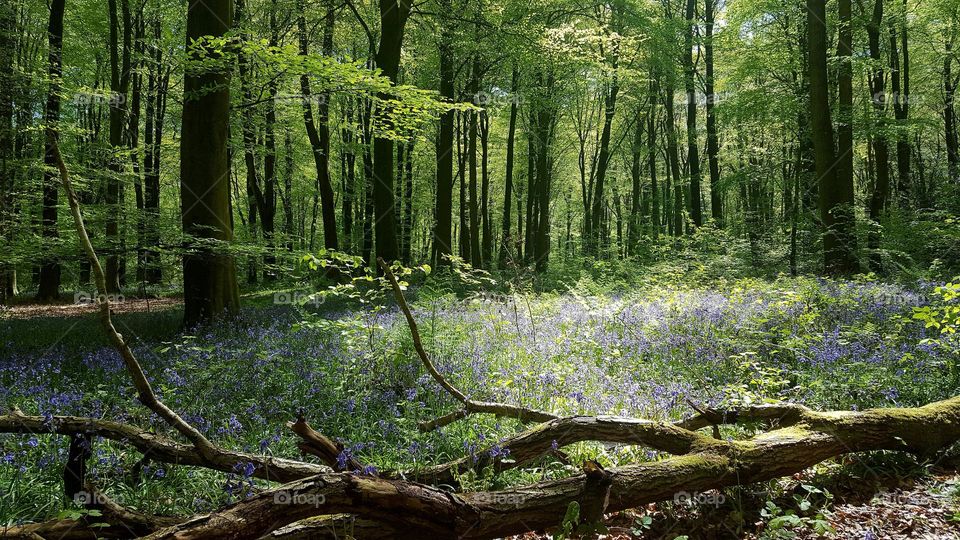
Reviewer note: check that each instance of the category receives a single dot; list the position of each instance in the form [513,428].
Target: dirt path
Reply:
[85,307]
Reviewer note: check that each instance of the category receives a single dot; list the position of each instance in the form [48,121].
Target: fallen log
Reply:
[713,464]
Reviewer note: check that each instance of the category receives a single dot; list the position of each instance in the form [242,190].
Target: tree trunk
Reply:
[319,136]
[836,204]
[8,43]
[713,146]
[442,235]
[393,19]
[209,274]
[119,85]
[486,242]
[693,149]
[950,115]
[506,240]
[881,188]
[49,279]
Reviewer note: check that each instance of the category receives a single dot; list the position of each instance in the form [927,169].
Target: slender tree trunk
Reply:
[319,136]
[950,115]
[8,43]
[713,146]
[442,234]
[368,177]
[901,103]
[473,204]
[152,134]
[209,273]
[673,156]
[348,177]
[652,162]
[49,279]
[881,189]
[393,19]
[407,224]
[693,149]
[288,190]
[119,85]
[486,243]
[505,241]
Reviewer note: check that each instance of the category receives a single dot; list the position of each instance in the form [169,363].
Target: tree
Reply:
[713,146]
[209,273]
[693,148]
[49,282]
[320,135]
[393,19]
[836,191]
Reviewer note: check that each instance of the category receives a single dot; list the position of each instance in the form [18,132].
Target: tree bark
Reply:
[442,235]
[506,240]
[49,279]
[319,135]
[881,188]
[209,273]
[393,19]
[713,145]
[835,172]
[119,86]
[693,149]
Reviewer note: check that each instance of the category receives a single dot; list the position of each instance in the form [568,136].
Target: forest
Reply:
[476,269]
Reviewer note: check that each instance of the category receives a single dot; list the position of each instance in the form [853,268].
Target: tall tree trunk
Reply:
[532,189]
[836,201]
[8,43]
[209,274]
[288,189]
[652,160]
[267,197]
[473,205]
[634,227]
[119,85]
[505,242]
[442,233]
[693,150]
[152,138]
[673,156]
[881,188]
[950,115]
[901,105]
[393,19]
[486,243]
[713,146]
[603,159]
[407,223]
[320,135]
[249,137]
[49,279]
[348,159]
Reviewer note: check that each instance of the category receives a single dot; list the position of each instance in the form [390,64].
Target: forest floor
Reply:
[589,350]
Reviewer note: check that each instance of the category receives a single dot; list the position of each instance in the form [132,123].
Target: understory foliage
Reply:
[350,369]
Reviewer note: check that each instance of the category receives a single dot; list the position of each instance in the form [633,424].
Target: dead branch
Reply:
[157,446]
[469,406]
